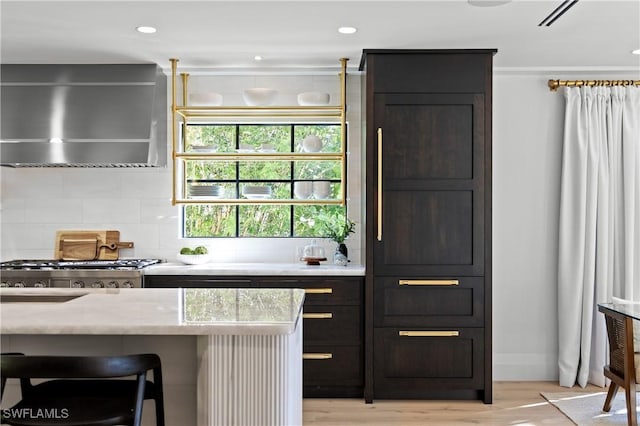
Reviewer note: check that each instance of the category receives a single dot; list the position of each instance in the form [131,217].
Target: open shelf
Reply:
[183,115]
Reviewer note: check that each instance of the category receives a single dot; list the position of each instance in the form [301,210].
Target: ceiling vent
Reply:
[557,12]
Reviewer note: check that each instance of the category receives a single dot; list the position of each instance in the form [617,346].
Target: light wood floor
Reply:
[514,403]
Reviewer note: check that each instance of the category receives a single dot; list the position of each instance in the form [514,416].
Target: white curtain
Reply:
[599,230]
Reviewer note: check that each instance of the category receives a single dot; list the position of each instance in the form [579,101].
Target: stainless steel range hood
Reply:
[83,115]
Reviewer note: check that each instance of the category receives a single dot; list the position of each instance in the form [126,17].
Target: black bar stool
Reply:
[86,390]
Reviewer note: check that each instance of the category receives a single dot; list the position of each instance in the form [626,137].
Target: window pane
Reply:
[222,138]
[257,135]
[211,170]
[265,170]
[317,170]
[264,221]
[308,219]
[329,135]
[209,221]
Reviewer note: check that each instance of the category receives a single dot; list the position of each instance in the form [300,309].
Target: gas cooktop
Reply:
[51,264]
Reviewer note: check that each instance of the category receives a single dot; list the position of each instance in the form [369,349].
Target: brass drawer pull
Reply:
[317,315]
[428,282]
[429,333]
[318,290]
[317,356]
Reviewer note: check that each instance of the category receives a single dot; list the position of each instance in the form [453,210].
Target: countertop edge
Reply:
[254,269]
[140,312]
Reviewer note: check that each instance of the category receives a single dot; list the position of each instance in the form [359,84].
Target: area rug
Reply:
[585,409]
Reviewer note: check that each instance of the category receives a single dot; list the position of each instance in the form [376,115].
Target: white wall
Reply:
[527,139]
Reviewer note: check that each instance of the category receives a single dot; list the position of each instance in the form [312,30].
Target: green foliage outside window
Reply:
[212,220]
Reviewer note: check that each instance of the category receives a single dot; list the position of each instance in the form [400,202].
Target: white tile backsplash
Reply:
[37,202]
[53,210]
[31,183]
[12,210]
[110,210]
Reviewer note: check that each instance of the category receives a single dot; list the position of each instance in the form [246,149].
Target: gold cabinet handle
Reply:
[428,282]
[429,333]
[379,237]
[318,290]
[317,315]
[317,356]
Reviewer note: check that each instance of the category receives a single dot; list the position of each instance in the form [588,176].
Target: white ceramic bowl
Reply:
[259,96]
[205,99]
[312,143]
[194,259]
[302,190]
[321,189]
[313,99]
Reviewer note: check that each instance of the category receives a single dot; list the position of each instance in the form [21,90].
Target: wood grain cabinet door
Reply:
[424,363]
[430,220]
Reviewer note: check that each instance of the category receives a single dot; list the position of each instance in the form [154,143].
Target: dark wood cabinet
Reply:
[428,251]
[333,349]
[333,352]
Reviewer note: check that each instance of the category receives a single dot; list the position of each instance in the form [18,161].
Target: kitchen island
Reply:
[247,357]
[333,344]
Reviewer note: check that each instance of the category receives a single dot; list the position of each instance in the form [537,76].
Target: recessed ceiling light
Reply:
[347,30]
[636,52]
[258,58]
[488,3]
[146,30]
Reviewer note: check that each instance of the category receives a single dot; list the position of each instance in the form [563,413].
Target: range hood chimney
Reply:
[83,115]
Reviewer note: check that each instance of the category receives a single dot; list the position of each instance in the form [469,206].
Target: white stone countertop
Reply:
[189,311]
[275,269]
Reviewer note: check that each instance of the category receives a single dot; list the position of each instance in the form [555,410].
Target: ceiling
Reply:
[226,35]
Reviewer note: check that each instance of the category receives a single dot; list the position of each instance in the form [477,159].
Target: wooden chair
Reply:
[623,369]
[86,390]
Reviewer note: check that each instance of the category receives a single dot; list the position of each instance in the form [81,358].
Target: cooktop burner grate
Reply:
[51,264]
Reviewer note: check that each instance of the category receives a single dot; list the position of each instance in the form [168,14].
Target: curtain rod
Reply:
[554,84]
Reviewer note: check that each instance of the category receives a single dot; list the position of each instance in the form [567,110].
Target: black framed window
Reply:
[286,180]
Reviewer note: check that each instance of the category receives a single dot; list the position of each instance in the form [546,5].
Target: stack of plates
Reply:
[255,191]
[203,148]
[205,191]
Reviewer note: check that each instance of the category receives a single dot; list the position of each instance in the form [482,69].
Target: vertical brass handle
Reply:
[379,184]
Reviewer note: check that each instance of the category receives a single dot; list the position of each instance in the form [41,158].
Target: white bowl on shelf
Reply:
[321,189]
[205,99]
[312,143]
[313,99]
[259,96]
[256,191]
[203,148]
[302,190]
[193,259]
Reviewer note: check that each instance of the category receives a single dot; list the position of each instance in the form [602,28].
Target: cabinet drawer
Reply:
[438,302]
[332,325]
[195,281]
[322,291]
[412,363]
[332,365]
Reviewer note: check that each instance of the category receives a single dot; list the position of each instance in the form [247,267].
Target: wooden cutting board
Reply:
[89,245]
